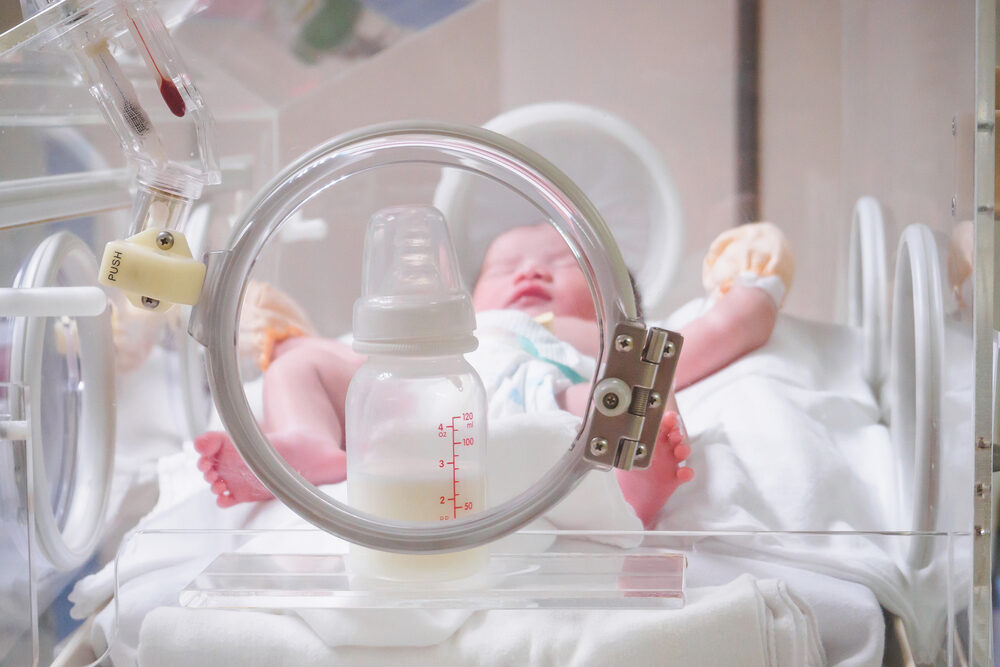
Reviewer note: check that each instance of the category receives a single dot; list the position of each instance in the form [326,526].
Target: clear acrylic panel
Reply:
[214,577]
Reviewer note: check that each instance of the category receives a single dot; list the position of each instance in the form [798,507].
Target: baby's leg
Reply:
[305,388]
[648,489]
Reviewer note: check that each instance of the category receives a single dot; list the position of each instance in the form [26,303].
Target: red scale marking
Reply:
[454,469]
[455,442]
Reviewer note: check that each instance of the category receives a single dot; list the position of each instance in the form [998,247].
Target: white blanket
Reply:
[788,439]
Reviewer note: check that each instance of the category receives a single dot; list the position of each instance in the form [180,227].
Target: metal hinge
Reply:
[629,398]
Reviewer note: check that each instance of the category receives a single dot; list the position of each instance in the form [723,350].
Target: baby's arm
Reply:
[740,322]
[580,333]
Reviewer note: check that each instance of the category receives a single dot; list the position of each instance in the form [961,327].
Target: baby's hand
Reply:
[755,254]
[647,490]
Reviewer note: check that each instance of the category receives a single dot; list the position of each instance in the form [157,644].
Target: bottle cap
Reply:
[413,300]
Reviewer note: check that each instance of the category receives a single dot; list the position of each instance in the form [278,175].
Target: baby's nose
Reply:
[533,271]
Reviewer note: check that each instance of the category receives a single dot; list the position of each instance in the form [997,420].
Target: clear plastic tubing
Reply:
[215,319]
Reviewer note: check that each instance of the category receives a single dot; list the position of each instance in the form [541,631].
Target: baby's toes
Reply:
[206,463]
[225,497]
[211,475]
[681,452]
[669,422]
[208,444]
[685,474]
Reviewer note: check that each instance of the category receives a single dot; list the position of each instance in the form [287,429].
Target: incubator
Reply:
[430,329]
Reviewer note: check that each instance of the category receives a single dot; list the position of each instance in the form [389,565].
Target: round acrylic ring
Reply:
[215,319]
[867,286]
[916,375]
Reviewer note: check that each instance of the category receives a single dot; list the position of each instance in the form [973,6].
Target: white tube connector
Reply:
[88,301]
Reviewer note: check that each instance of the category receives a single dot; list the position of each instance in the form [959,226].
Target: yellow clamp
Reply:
[154,269]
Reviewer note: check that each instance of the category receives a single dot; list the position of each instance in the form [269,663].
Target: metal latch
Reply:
[629,398]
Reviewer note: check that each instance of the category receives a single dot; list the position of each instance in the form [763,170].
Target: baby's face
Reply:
[532,269]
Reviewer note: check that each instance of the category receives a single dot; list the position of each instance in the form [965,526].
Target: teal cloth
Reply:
[530,348]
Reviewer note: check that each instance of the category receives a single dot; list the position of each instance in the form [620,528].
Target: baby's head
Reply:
[532,269]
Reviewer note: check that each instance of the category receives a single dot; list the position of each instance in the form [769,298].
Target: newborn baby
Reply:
[529,269]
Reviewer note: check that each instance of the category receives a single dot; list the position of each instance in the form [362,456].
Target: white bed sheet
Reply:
[789,438]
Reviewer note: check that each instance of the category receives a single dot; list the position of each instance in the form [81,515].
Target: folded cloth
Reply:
[762,624]
[849,617]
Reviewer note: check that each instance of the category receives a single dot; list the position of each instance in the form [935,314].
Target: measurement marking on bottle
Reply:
[454,470]
[456,442]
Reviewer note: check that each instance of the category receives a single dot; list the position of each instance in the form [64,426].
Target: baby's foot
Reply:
[319,461]
[647,490]
[229,477]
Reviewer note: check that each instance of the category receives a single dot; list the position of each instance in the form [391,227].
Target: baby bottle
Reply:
[416,410]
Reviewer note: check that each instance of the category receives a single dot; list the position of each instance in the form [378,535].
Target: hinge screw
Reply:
[598,446]
[669,349]
[150,302]
[623,343]
[654,399]
[640,451]
[165,240]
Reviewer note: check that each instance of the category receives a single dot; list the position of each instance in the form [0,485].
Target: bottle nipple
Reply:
[413,299]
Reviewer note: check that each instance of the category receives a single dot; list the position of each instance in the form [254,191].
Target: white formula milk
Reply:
[407,491]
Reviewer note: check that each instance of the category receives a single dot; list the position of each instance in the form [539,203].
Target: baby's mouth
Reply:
[529,295]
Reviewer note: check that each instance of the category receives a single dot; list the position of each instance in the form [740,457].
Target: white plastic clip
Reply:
[154,268]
